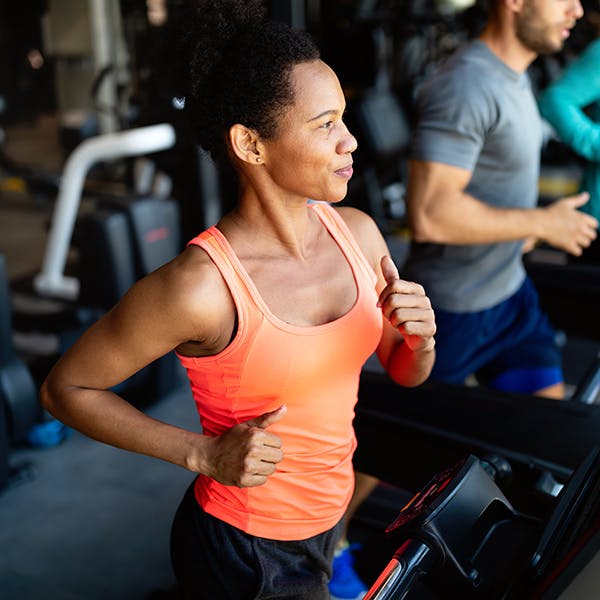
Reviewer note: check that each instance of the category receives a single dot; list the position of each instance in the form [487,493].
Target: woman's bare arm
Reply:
[406,349]
[184,300]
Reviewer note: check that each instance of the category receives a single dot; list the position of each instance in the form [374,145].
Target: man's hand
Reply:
[567,227]
[529,244]
[406,306]
[246,454]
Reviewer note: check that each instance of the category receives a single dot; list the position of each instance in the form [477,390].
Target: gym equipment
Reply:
[4,466]
[568,292]
[120,241]
[439,423]
[386,133]
[7,362]
[462,531]
[51,281]
[460,520]
[19,407]
[382,128]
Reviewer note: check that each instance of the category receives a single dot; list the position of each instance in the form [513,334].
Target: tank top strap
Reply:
[341,233]
[243,290]
[214,243]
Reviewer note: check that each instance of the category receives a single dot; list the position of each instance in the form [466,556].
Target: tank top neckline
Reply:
[261,303]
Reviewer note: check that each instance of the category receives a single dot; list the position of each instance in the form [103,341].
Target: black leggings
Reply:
[213,560]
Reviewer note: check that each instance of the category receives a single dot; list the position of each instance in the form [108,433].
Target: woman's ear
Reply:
[245,144]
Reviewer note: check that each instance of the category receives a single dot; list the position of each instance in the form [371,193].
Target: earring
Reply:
[258,159]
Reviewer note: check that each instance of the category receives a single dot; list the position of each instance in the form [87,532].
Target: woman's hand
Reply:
[246,454]
[406,306]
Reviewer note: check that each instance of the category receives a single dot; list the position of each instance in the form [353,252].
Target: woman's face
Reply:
[311,155]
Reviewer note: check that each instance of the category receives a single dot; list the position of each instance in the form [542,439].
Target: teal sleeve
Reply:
[562,104]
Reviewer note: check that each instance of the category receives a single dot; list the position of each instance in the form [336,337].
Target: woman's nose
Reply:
[348,142]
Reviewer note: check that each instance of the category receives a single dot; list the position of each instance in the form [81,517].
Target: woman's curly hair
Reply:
[234,66]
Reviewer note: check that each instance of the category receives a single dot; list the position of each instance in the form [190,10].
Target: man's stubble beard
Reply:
[533,34]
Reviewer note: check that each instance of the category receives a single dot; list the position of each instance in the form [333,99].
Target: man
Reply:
[472,199]
[472,194]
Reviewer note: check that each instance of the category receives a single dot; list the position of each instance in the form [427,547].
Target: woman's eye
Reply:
[327,125]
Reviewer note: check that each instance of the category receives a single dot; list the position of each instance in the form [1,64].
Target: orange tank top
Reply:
[314,371]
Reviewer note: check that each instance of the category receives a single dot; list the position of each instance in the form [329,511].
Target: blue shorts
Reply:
[510,347]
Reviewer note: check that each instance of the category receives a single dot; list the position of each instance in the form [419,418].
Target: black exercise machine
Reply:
[544,442]
[378,120]
[19,407]
[436,423]
[460,537]
[568,292]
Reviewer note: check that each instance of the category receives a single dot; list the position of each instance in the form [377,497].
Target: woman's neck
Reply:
[272,228]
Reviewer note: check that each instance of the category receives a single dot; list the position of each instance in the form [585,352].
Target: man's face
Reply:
[544,25]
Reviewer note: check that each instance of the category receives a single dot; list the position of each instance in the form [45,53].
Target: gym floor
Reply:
[85,520]
[81,519]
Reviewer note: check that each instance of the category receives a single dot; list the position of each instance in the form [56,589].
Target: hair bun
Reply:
[232,65]
[204,29]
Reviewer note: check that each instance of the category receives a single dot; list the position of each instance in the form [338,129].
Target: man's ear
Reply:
[245,144]
[515,6]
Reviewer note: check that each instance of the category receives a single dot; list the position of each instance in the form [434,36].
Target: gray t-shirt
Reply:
[478,114]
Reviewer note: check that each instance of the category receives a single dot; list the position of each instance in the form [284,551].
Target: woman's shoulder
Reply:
[357,220]
[188,288]
[192,280]
[364,229]
[355,217]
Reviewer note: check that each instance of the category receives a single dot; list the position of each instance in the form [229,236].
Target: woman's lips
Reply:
[346,172]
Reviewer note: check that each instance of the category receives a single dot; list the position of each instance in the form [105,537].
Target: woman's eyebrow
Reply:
[331,112]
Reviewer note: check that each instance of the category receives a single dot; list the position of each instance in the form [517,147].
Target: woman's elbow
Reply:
[47,397]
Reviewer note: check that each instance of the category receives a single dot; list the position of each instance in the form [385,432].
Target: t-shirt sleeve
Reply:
[451,123]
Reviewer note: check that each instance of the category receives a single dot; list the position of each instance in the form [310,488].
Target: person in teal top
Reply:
[571,104]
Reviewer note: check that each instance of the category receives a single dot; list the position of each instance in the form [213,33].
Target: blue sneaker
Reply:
[345,584]
[47,434]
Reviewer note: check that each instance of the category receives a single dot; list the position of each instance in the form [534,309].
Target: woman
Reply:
[273,312]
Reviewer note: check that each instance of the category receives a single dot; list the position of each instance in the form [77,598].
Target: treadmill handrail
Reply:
[413,559]
[51,281]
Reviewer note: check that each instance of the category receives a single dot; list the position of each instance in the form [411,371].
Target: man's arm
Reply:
[440,211]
